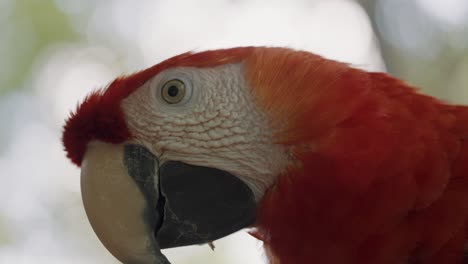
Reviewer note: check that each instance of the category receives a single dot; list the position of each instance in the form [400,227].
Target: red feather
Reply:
[381,172]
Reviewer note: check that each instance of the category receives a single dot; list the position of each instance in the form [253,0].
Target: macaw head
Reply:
[182,153]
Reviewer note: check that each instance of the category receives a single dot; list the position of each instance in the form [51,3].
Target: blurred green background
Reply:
[52,52]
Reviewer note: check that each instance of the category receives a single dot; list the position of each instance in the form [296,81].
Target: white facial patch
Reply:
[217,126]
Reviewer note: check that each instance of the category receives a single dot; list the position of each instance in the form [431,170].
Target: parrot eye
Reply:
[173,91]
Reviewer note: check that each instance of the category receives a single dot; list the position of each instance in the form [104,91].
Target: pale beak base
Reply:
[137,206]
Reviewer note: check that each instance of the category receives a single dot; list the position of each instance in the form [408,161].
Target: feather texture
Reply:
[381,173]
[100,117]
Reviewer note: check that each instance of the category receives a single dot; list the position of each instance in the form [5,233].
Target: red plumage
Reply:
[381,173]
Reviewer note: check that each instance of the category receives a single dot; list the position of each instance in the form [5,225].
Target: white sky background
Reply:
[40,196]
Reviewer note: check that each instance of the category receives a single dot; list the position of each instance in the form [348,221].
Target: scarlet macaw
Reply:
[330,164]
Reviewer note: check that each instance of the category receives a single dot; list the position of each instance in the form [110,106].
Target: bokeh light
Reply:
[453,13]
[55,51]
[319,26]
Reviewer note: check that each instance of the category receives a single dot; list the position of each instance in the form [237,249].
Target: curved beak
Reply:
[138,206]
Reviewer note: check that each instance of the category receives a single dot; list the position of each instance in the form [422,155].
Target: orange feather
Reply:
[382,171]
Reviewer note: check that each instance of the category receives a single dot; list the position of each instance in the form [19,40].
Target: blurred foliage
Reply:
[32,25]
[439,66]
[4,236]
[434,72]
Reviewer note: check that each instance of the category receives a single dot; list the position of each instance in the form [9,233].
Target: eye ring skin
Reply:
[173,91]
[175,77]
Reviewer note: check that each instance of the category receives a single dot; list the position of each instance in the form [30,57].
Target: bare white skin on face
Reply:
[216,124]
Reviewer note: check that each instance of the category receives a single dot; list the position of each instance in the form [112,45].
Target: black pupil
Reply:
[173,90]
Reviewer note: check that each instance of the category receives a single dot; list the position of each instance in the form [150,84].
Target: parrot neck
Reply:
[308,98]
[365,190]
